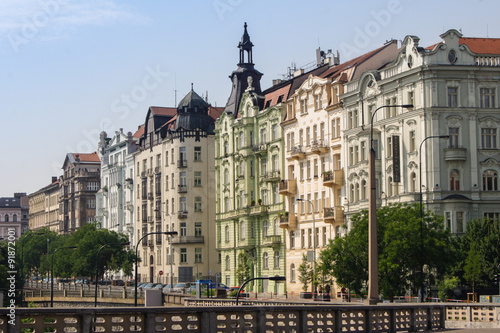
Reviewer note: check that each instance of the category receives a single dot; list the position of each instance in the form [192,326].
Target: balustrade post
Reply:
[392,320]
[413,316]
[337,320]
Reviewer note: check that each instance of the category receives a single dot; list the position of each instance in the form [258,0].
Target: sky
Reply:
[71,69]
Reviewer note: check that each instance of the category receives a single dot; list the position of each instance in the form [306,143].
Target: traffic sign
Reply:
[160,272]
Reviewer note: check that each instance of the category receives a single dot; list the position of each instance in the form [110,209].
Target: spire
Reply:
[245,45]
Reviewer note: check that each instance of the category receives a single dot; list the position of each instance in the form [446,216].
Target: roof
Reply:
[192,100]
[84,157]
[481,45]
[163,111]
[11,202]
[273,97]
[215,112]
[140,132]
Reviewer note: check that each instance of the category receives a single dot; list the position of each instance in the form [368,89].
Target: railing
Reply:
[188,239]
[246,318]
[182,163]
[182,189]
[259,148]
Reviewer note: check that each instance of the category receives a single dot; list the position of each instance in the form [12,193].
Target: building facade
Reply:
[77,191]
[249,164]
[44,207]
[115,199]
[14,215]
[174,183]
[453,88]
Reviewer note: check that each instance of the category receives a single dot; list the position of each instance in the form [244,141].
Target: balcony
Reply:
[150,172]
[182,163]
[288,220]
[274,240]
[150,196]
[150,219]
[333,215]
[318,147]
[297,152]
[271,176]
[288,187]
[261,148]
[143,174]
[182,189]
[258,210]
[188,239]
[182,215]
[455,153]
[333,178]
[157,170]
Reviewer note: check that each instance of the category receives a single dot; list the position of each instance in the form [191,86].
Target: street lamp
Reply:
[97,267]
[421,294]
[170,233]
[276,278]
[314,243]
[372,216]
[52,273]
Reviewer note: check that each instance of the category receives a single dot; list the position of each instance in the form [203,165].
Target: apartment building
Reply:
[44,207]
[14,219]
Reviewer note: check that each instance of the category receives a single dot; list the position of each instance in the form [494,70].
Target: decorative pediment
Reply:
[412,165]
[353,176]
[489,163]
[392,129]
[454,121]
[489,122]
[389,169]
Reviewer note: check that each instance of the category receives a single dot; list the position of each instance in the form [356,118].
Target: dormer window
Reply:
[185,109]
[195,109]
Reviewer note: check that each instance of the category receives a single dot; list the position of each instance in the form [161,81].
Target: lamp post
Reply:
[421,294]
[170,233]
[276,278]
[97,267]
[52,273]
[372,216]
[314,243]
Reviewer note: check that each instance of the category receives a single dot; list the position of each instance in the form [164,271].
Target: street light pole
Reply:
[97,267]
[314,243]
[170,233]
[372,217]
[421,293]
[52,273]
[276,278]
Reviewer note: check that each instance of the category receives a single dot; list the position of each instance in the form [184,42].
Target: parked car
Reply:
[167,289]
[180,287]
[117,283]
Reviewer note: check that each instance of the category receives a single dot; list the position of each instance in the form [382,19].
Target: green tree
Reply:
[243,272]
[402,251]
[35,249]
[446,286]
[305,273]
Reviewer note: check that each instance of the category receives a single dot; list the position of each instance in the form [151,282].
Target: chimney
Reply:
[54,179]
[276,81]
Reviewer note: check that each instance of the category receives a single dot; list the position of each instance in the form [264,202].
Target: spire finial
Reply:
[191,86]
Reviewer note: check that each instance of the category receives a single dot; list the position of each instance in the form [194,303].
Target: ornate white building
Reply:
[453,86]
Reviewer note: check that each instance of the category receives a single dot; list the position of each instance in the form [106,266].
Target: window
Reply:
[412,141]
[197,204]
[276,259]
[489,138]
[183,204]
[363,189]
[265,260]
[309,238]
[363,151]
[226,233]
[460,222]
[389,186]
[411,97]
[183,255]
[166,183]
[303,238]
[274,129]
[487,96]
[308,136]
[292,239]
[197,178]
[292,273]
[413,182]
[447,221]
[490,180]
[242,230]
[454,180]
[265,228]
[263,136]
[452,97]
[183,229]
[198,255]
[226,176]
[389,147]
[308,169]
[318,102]
[197,154]
[492,216]
[453,133]
[228,263]
[90,203]
[197,229]
[242,140]
[303,106]
[92,186]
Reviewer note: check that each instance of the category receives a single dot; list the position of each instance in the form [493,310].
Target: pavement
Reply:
[467,330]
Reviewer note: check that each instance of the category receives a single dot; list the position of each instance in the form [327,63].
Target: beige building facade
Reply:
[44,207]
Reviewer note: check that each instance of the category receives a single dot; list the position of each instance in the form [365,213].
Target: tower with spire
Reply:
[244,76]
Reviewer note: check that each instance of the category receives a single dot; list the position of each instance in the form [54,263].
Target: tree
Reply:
[35,249]
[243,272]
[305,273]
[401,250]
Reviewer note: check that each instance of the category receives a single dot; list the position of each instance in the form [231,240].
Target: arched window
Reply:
[389,187]
[454,180]
[413,182]
[242,230]
[352,193]
[265,260]
[357,192]
[226,147]
[14,218]
[6,217]
[226,176]
[242,139]
[227,233]
[292,273]
[265,229]
[228,263]
[363,189]
[277,259]
[490,180]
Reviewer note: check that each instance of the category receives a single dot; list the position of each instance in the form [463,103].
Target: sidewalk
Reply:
[467,330]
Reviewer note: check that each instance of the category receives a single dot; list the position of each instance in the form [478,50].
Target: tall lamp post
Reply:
[97,267]
[372,217]
[169,233]
[52,273]
[314,243]
[421,294]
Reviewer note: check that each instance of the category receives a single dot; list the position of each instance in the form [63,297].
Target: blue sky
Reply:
[70,69]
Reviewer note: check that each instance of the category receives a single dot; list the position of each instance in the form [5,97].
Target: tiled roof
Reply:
[215,112]
[140,132]
[273,96]
[482,45]
[84,157]
[163,111]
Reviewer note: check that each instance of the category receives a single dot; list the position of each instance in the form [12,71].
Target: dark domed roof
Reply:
[192,100]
